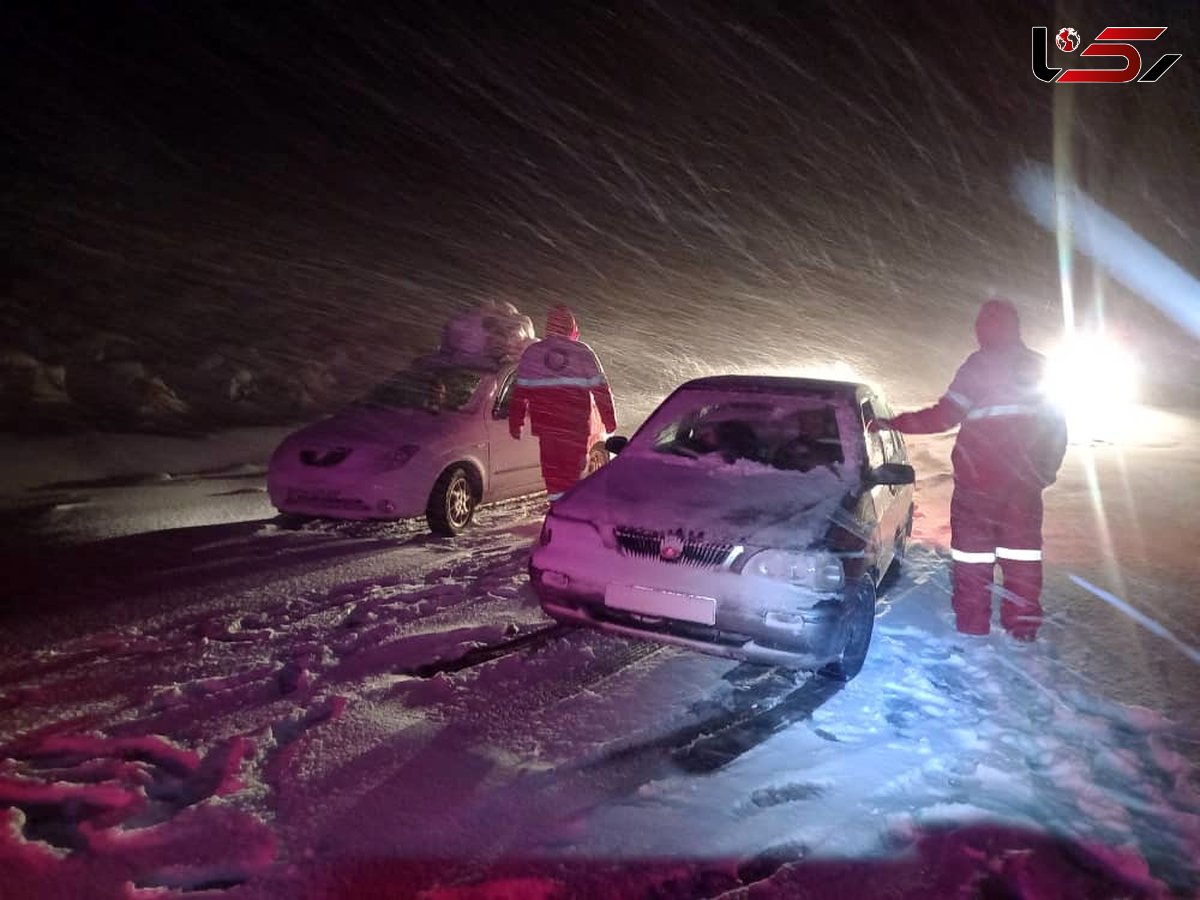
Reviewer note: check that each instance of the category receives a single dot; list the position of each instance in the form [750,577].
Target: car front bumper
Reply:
[753,620]
[348,498]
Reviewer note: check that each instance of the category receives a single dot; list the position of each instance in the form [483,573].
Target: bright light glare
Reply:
[1094,380]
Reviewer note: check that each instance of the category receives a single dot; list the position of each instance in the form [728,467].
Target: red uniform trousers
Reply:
[563,457]
[997,526]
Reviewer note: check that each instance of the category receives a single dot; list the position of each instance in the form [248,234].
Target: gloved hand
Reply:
[879,425]
[514,430]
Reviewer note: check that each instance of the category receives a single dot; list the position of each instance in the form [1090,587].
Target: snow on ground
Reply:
[256,710]
[30,461]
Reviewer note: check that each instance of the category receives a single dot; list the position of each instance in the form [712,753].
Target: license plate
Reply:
[314,495]
[669,605]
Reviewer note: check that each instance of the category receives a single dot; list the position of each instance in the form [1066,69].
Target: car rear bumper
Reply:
[804,639]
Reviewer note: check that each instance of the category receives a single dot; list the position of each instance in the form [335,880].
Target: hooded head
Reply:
[561,322]
[997,325]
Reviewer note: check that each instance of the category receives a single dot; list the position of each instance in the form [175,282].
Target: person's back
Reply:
[558,380]
[564,372]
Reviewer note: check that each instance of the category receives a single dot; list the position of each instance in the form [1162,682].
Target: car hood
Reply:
[742,503]
[376,426]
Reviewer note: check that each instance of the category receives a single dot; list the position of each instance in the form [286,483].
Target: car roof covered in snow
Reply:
[777,384]
[474,362]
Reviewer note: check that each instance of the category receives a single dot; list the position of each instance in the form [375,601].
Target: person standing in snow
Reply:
[557,380]
[1010,444]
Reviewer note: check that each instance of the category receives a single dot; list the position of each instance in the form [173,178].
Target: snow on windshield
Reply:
[767,469]
[790,432]
[434,389]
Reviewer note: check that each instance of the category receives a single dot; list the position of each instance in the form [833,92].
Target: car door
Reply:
[888,499]
[515,464]
[894,451]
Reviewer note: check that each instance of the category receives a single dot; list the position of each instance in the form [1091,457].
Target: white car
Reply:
[432,440]
[749,517]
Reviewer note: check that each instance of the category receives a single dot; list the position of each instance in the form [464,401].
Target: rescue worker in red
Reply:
[1010,444]
[557,380]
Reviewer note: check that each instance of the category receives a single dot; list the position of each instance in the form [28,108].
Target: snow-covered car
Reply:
[749,517]
[432,440]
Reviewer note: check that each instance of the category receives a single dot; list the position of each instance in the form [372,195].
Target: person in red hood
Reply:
[1011,442]
[557,380]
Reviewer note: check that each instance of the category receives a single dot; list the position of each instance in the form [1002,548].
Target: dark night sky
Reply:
[206,171]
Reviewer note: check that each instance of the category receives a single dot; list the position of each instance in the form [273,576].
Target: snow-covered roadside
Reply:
[31,461]
[1122,516]
[240,740]
[341,709]
[90,486]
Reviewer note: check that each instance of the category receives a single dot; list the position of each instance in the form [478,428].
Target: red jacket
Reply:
[557,380]
[1010,435]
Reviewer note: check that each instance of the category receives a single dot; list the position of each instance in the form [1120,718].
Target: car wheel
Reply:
[597,457]
[293,521]
[451,503]
[862,623]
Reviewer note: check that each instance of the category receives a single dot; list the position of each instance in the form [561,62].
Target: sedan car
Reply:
[432,440]
[749,517]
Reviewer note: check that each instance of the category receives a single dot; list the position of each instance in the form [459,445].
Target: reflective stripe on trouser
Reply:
[562,460]
[986,529]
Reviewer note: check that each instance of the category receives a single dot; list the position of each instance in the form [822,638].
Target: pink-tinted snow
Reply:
[335,711]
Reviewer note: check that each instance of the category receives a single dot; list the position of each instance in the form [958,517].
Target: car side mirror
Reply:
[892,474]
[616,444]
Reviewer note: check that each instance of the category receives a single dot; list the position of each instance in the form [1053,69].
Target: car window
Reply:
[876,455]
[504,396]
[893,443]
[782,432]
[435,390]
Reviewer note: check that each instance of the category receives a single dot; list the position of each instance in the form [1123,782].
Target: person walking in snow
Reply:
[1010,444]
[558,378]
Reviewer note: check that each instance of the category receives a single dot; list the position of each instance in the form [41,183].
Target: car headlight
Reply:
[400,456]
[566,532]
[815,569]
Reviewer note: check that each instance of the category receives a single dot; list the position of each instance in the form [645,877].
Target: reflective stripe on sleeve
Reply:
[593,381]
[964,556]
[1021,555]
[1010,409]
[961,400]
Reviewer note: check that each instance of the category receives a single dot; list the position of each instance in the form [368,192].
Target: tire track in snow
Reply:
[477,656]
[766,703]
[466,740]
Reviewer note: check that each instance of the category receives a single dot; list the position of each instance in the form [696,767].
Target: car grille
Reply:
[646,544]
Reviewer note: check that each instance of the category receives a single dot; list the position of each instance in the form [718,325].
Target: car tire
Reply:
[452,502]
[293,521]
[597,458]
[862,623]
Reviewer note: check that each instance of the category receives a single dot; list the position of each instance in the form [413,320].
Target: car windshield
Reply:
[784,432]
[434,390]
